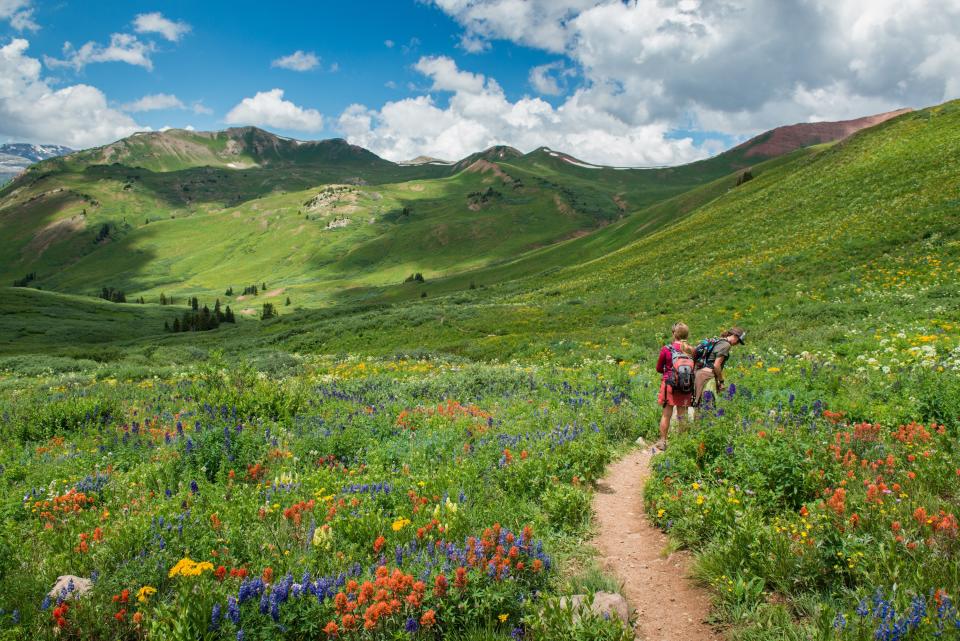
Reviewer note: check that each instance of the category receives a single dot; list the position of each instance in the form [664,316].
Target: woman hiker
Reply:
[712,355]
[677,384]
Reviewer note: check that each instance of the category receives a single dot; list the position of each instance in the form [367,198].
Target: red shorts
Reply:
[675,399]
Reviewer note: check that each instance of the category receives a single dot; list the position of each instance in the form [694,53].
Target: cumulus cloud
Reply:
[31,110]
[155,102]
[550,79]
[748,61]
[199,108]
[156,23]
[269,109]
[478,115]
[123,47]
[19,13]
[297,61]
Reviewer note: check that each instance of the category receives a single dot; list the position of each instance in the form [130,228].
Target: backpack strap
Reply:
[712,342]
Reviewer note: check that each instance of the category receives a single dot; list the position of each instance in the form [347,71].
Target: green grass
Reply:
[194,213]
[843,263]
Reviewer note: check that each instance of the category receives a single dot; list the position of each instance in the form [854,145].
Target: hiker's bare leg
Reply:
[665,422]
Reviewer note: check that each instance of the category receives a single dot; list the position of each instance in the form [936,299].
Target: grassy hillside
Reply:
[191,213]
[419,433]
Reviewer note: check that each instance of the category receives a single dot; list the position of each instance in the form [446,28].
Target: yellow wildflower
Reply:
[144,593]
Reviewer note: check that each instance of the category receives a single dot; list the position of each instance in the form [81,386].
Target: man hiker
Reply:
[712,355]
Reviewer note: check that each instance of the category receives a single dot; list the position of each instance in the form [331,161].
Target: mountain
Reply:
[199,212]
[783,140]
[17,156]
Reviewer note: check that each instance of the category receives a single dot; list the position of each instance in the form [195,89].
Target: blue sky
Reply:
[614,82]
[228,51]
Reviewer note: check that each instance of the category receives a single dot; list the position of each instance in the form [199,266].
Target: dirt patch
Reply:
[274,292]
[563,207]
[415,187]
[669,606]
[55,232]
[243,297]
[482,166]
[334,199]
[620,202]
[248,311]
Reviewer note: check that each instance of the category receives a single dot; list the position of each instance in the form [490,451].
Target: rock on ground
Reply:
[80,586]
[607,603]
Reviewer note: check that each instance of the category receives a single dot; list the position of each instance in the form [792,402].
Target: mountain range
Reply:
[198,213]
[15,157]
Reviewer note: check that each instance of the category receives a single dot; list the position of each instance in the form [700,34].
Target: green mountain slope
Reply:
[193,213]
[833,247]
[824,243]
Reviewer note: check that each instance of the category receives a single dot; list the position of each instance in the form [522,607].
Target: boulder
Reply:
[604,603]
[71,586]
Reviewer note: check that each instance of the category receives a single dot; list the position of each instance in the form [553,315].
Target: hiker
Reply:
[677,385]
[712,355]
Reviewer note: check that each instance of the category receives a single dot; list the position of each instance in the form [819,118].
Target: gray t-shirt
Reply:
[722,348]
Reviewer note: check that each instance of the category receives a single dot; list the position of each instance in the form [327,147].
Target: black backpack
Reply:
[682,373]
[704,350]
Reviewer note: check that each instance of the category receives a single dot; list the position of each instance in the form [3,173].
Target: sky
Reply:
[617,82]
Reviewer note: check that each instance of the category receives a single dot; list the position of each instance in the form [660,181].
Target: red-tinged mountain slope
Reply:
[783,140]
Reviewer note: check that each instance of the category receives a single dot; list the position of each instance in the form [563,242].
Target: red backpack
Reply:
[682,373]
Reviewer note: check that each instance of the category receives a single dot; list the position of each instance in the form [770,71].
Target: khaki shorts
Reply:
[704,381]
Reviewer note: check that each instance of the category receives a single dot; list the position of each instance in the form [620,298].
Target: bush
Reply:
[567,507]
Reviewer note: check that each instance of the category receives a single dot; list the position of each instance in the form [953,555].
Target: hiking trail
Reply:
[668,605]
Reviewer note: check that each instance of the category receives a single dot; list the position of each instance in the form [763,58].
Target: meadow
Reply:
[400,466]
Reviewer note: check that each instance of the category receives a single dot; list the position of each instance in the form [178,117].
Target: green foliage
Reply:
[567,507]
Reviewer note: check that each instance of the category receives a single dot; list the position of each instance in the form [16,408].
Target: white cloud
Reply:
[478,115]
[199,108]
[19,13]
[750,61]
[155,102]
[32,111]
[446,77]
[156,23]
[123,47]
[269,109]
[550,79]
[388,44]
[297,61]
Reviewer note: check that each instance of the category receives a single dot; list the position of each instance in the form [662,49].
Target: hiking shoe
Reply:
[661,445]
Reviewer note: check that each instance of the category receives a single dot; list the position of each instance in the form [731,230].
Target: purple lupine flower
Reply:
[233,610]
[215,617]
[412,625]
[194,487]
[839,622]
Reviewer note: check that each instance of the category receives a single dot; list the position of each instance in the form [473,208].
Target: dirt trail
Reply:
[669,606]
